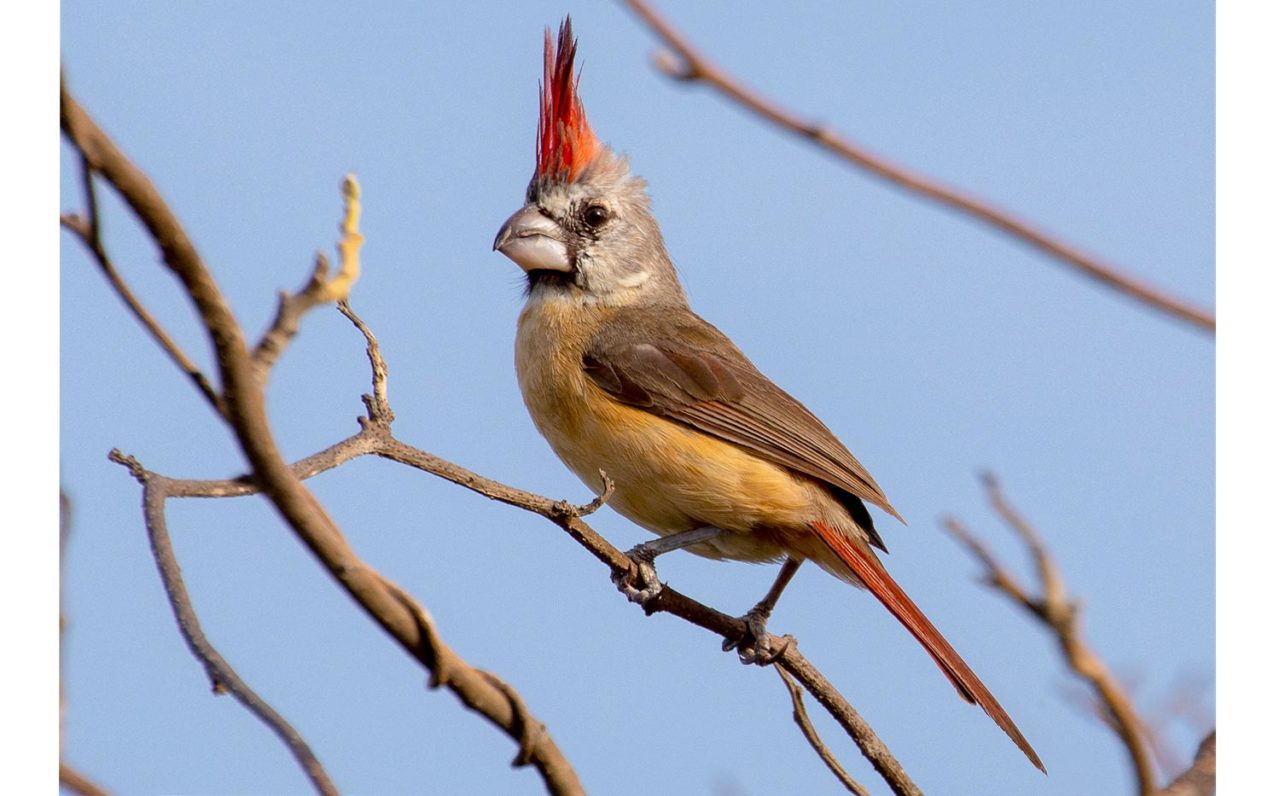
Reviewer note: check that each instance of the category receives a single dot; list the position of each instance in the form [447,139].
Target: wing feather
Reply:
[691,373]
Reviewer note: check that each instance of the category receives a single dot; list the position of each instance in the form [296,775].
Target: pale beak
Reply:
[533,241]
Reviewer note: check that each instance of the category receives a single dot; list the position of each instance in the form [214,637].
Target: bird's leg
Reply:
[753,646]
[642,556]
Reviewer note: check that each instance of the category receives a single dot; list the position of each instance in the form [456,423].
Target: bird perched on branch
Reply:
[621,376]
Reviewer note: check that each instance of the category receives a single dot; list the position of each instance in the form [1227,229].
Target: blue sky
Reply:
[932,346]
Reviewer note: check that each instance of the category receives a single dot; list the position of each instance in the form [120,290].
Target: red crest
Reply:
[565,141]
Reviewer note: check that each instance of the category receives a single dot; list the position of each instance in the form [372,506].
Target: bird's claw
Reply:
[640,584]
[753,646]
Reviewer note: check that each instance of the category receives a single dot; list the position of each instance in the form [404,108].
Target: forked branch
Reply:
[1052,605]
[156,489]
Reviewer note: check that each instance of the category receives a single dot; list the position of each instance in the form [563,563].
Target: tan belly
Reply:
[667,477]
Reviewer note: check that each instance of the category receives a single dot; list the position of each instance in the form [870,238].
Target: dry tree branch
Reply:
[375,437]
[669,600]
[319,288]
[244,375]
[684,62]
[89,231]
[222,677]
[246,414]
[801,717]
[78,783]
[1201,778]
[1060,613]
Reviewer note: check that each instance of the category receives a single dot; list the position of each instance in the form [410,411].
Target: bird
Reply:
[622,378]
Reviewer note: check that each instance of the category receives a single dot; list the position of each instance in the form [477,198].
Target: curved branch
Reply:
[1060,613]
[801,717]
[224,679]
[246,414]
[687,64]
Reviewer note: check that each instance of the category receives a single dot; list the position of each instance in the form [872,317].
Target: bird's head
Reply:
[586,229]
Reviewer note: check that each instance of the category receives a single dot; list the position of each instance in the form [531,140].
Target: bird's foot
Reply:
[753,646]
[641,584]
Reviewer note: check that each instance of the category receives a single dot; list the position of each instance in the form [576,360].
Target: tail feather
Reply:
[862,562]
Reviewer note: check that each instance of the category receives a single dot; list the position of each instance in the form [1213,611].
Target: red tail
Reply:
[862,562]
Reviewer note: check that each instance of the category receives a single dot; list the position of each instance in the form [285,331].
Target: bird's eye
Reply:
[595,216]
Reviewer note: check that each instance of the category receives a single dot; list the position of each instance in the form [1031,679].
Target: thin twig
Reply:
[89,231]
[222,677]
[320,288]
[1055,608]
[377,405]
[687,64]
[801,717]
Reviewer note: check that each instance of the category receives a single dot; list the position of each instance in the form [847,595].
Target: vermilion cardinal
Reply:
[621,376]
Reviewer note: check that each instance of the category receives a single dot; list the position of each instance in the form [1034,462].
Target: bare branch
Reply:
[801,717]
[377,406]
[319,288]
[222,676]
[1201,778]
[668,600]
[78,783]
[246,414]
[594,505]
[687,64]
[444,664]
[1060,614]
[88,230]
[376,438]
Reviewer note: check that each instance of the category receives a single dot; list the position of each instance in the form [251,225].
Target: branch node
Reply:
[528,730]
[779,646]
[77,224]
[674,67]
[594,505]
[130,463]
[319,273]
[377,406]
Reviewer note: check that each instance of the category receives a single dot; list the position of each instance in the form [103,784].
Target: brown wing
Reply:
[680,367]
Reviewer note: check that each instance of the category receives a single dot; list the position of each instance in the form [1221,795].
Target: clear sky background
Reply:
[933,347]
